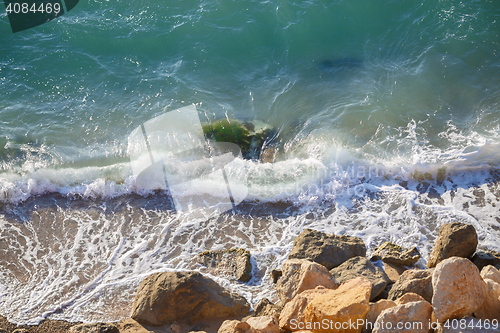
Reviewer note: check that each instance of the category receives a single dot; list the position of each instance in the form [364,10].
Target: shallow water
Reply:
[387,118]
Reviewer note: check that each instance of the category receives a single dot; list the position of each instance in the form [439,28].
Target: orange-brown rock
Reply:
[409,297]
[184,297]
[459,290]
[490,309]
[87,328]
[490,272]
[301,274]
[234,326]
[293,313]
[362,267]
[264,324]
[375,311]
[343,307]
[455,240]
[412,317]
[393,271]
[325,249]
[418,281]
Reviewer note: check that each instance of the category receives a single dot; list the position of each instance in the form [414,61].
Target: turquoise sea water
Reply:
[367,97]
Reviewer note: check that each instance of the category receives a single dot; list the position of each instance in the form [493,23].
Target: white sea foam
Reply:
[84,264]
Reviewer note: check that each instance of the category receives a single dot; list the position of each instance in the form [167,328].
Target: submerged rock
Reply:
[325,249]
[250,136]
[234,263]
[184,297]
[455,240]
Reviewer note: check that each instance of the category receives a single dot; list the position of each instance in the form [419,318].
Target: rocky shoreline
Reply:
[326,285]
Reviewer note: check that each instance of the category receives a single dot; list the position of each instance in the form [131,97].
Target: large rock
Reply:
[250,136]
[346,305]
[459,290]
[232,263]
[325,249]
[375,311]
[266,308]
[301,274]
[163,298]
[234,326]
[293,312]
[467,325]
[408,298]
[263,324]
[94,328]
[362,267]
[393,271]
[490,309]
[490,272]
[412,317]
[485,258]
[454,240]
[418,281]
[396,255]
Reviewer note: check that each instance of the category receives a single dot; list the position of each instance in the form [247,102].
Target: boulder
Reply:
[234,326]
[265,324]
[393,271]
[362,267]
[347,304]
[375,311]
[164,298]
[485,258]
[458,288]
[408,298]
[250,136]
[300,275]
[268,154]
[396,255]
[266,308]
[232,263]
[454,240]
[94,328]
[293,313]
[490,309]
[325,249]
[490,272]
[468,325]
[411,317]
[418,281]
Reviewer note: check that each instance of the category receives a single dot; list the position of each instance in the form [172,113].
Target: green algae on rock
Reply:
[250,136]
